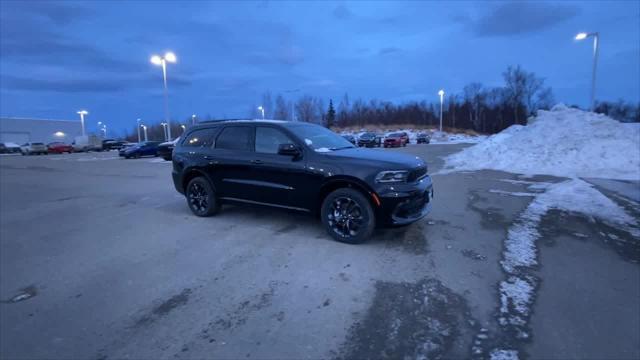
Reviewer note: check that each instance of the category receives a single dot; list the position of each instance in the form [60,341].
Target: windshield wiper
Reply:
[341,148]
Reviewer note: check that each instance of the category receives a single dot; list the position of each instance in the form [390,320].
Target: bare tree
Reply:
[281,110]
[475,95]
[305,109]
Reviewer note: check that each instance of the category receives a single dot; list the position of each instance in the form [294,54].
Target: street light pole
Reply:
[193,119]
[138,121]
[162,61]
[262,110]
[144,127]
[82,114]
[441,93]
[596,38]
[164,130]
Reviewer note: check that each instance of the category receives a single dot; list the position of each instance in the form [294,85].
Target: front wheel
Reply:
[201,197]
[348,216]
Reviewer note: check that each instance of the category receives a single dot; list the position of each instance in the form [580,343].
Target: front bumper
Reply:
[403,204]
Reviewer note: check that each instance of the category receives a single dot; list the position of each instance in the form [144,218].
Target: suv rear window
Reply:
[200,138]
[235,138]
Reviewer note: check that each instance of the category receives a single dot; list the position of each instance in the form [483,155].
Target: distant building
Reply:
[23,130]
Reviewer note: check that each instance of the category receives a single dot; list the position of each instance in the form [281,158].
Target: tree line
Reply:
[478,107]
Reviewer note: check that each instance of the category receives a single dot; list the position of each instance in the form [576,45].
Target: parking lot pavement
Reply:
[101,258]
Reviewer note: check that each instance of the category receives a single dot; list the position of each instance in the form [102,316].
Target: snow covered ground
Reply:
[562,142]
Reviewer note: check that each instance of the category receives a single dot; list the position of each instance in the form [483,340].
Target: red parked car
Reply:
[396,139]
[59,148]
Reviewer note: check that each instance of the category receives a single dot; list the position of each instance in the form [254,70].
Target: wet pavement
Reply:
[100,258]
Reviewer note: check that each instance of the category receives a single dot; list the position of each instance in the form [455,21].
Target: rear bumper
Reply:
[177,182]
[405,203]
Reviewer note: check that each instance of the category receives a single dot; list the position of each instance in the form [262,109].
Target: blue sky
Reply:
[58,57]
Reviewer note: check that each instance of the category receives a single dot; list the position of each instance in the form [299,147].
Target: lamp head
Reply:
[156,60]
[170,57]
[582,36]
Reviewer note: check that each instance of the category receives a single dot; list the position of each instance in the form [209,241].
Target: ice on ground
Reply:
[573,195]
[499,354]
[562,142]
[511,193]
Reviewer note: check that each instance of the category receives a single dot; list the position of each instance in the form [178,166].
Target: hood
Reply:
[378,157]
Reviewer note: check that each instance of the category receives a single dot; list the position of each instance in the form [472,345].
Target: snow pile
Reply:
[562,142]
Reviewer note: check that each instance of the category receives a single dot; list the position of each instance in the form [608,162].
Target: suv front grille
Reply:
[417,174]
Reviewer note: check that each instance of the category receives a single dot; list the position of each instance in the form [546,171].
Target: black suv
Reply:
[300,166]
[369,140]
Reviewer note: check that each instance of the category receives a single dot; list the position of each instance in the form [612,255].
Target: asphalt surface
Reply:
[100,258]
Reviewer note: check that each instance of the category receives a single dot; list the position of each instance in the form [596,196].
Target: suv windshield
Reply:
[319,138]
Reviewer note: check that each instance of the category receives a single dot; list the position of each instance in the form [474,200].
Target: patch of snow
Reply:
[511,193]
[499,354]
[322,150]
[562,142]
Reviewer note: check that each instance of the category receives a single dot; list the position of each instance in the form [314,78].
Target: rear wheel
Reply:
[348,216]
[201,197]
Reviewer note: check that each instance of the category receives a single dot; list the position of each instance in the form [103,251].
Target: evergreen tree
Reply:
[331,115]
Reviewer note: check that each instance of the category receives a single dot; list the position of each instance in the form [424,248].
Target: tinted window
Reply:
[268,139]
[235,138]
[199,138]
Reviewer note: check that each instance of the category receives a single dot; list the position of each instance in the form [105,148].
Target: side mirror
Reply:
[288,149]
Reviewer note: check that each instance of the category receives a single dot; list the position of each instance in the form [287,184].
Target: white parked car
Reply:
[33,148]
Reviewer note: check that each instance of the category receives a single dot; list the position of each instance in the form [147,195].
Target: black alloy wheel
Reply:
[201,198]
[348,216]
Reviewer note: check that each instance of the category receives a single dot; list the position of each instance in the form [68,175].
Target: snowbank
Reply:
[562,142]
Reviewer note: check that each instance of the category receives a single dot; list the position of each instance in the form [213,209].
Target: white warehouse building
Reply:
[23,130]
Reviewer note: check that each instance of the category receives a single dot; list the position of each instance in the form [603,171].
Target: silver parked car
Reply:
[33,148]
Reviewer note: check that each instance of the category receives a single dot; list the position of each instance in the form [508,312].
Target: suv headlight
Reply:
[392,176]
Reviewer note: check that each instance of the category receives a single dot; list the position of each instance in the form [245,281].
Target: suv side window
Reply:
[200,138]
[235,138]
[268,139]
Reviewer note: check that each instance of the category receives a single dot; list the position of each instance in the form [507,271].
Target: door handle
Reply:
[257,162]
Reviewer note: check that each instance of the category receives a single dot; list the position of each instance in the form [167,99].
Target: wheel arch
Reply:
[192,173]
[343,181]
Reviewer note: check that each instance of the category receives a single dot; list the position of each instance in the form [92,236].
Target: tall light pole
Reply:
[103,128]
[595,36]
[138,121]
[162,61]
[183,128]
[193,119]
[144,127]
[261,109]
[164,130]
[441,93]
[82,114]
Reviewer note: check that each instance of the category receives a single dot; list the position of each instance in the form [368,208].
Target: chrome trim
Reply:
[264,203]
[258,183]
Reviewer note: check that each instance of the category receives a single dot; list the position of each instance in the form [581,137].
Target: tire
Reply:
[136,156]
[166,158]
[336,204]
[201,197]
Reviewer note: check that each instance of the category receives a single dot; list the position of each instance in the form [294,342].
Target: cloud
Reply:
[59,13]
[515,18]
[86,84]
[389,50]
[342,12]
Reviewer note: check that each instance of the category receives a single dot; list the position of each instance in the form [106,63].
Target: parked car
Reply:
[33,148]
[165,149]
[304,167]
[110,144]
[126,146]
[59,148]
[350,138]
[369,139]
[395,140]
[87,143]
[145,148]
[9,148]
[423,138]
